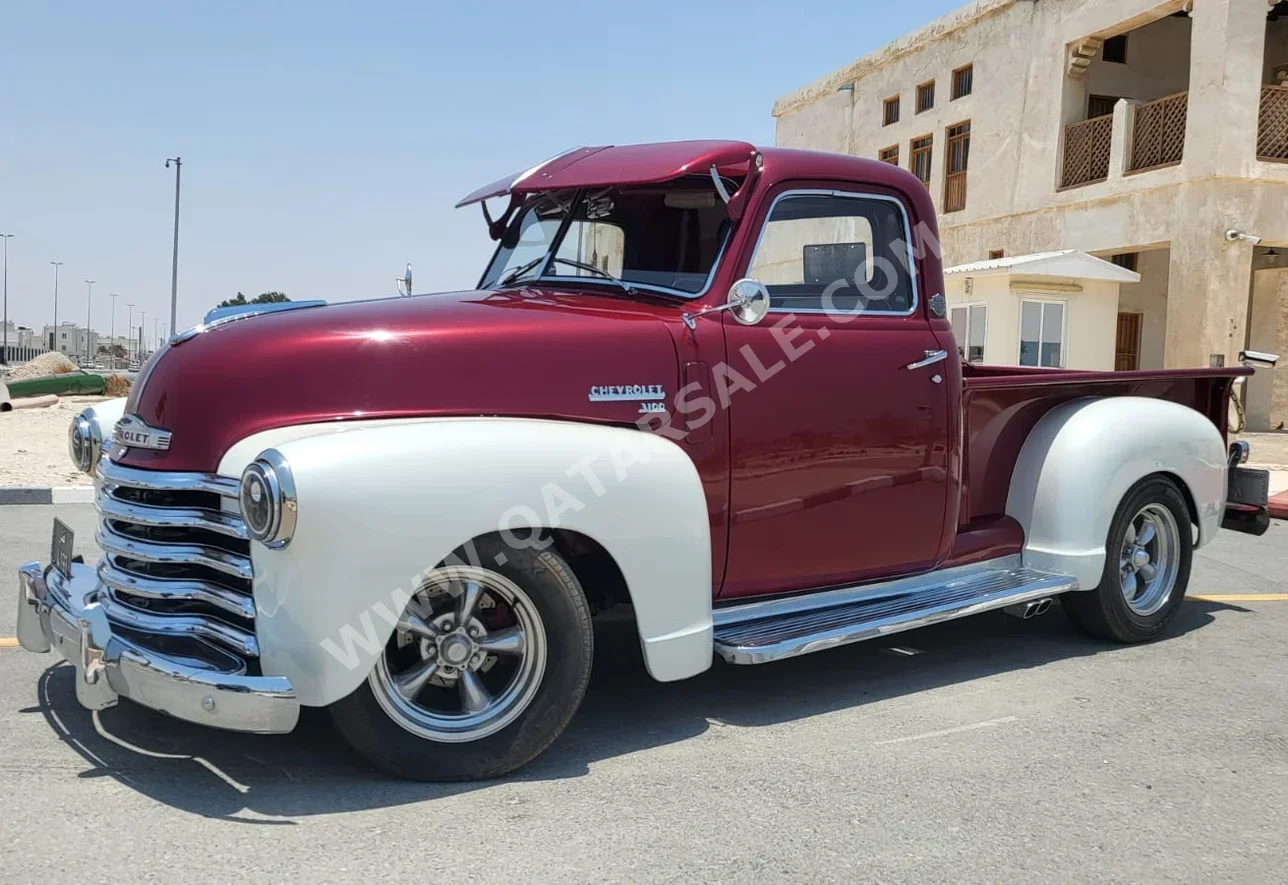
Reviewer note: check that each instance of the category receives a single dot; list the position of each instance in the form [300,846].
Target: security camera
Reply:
[1235,236]
[1257,359]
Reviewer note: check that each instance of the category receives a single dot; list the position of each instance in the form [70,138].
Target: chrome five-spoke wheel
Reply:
[466,659]
[1148,560]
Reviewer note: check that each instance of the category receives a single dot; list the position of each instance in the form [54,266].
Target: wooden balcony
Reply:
[1158,132]
[1272,130]
[1086,151]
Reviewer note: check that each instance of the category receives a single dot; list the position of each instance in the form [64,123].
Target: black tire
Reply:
[557,595]
[1105,611]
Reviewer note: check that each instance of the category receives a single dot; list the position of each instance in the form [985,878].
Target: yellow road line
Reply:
[1241,597]
[6,642]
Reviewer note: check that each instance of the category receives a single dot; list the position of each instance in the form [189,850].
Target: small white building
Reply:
[1051,309]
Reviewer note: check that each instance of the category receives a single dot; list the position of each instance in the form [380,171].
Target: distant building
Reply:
[1136,130]
[69,339]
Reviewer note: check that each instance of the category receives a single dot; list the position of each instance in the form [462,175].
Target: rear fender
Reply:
[1081,458]
[379,505]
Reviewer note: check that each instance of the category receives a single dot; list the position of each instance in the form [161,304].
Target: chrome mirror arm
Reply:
[691,319]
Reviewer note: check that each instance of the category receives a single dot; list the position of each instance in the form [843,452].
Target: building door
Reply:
[1127,351]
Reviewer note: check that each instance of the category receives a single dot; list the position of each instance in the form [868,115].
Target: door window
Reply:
[1042,333]
[835,253]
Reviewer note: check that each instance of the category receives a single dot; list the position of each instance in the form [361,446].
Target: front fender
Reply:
[380,504]
[1081,458]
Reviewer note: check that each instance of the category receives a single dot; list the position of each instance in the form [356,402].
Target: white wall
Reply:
[1091,317]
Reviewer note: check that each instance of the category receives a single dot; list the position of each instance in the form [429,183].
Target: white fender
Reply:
[381,502]
[1081,458]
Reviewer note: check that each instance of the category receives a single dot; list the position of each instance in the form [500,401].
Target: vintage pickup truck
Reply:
[709,381]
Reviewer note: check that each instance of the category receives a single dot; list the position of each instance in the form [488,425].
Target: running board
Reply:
[782,628]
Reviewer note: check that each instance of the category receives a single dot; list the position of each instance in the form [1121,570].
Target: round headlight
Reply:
[85,441]
[267,499]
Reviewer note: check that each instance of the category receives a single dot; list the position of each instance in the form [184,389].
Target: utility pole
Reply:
[156,333]
[89,307]
[53,341]
[174,259]
[129,326]
[4,330]
[111,338]
[143,324]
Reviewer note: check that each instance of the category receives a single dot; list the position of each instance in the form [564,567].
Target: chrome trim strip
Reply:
[178,554]
[907,232]
[168,517]
[790,605]
[884,610]
[163,481]
[117,578]
[121,612]
[109,666]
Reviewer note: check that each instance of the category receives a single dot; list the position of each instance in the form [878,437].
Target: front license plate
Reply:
[61,553]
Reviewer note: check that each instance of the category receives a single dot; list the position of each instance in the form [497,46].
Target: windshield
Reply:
[659,237]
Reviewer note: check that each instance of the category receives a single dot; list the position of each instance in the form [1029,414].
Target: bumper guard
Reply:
[54,612]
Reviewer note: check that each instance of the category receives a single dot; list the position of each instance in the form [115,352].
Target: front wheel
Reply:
[1147,566]
[485,669]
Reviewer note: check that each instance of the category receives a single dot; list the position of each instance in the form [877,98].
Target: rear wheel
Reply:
[485,669]
[1147,566]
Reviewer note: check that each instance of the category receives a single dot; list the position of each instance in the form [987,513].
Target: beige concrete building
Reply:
[1135,130]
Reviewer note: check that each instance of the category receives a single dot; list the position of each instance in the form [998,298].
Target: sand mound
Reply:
[45,364]
[117,385]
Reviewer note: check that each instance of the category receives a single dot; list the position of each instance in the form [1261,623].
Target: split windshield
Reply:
[663,238]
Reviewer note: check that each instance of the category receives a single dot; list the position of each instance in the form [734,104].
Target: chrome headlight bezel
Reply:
[267,500]
[85,441]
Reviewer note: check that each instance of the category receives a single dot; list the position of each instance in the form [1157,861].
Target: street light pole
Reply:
[111,337]
[89,307]
[53,341]
[4,338]
[129,333]
[143,324]
[174,255]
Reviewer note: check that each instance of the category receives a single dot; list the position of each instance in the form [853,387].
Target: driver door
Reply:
[839,449]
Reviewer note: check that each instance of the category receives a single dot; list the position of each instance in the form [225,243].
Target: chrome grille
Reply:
[176,562]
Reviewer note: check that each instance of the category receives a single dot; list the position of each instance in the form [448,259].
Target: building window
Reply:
[1101,106]
[969,325]
[925,97]
[890,112]
[1126,260]
[921,155]
[889,155]
[963,81]
[1115,50]
[956,160]
[994,254]
[1042,333]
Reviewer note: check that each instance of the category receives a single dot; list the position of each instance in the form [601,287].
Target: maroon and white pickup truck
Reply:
[710,381]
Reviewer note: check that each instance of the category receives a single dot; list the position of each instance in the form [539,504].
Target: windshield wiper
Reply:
[626,287]
[519,271]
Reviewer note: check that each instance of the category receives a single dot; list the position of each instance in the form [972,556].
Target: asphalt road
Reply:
[999,750]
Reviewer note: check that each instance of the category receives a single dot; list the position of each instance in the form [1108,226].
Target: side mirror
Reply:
[748,299]
[1258,360]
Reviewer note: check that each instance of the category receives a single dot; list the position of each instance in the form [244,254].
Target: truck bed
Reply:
[1001,404]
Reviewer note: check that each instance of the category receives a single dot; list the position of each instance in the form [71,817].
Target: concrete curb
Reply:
[48,495]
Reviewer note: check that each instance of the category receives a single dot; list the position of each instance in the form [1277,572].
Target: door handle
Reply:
[932,357]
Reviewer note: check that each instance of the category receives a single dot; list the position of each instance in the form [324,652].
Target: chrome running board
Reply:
[758,632]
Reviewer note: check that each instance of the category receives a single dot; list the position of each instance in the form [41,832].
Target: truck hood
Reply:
[530,352]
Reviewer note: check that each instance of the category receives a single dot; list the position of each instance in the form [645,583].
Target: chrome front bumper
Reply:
[54,612]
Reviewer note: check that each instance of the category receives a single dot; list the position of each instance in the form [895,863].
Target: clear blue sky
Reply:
[324,143]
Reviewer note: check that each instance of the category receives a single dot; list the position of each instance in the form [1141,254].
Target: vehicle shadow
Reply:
[268,780]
